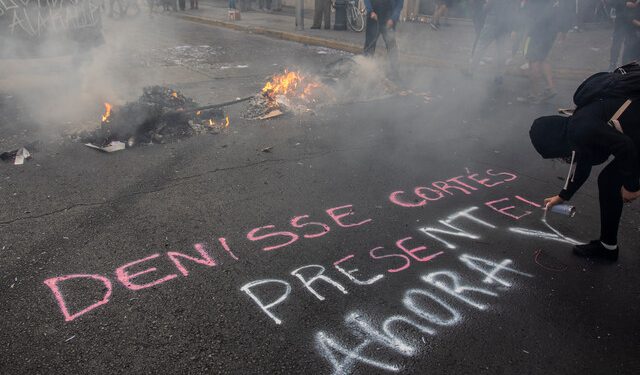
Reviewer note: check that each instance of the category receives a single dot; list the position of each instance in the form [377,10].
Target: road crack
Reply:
[179,181]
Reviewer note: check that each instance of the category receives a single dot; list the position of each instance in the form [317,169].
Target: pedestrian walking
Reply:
[382,17]
[479,15]
[193,4]
[603,125]
[623,30]
[495,30]
[410,10]
[442,8]
[541,36]
[322,11]
[518,21]
[632,45]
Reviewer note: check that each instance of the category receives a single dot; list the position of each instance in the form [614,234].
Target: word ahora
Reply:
[426,312]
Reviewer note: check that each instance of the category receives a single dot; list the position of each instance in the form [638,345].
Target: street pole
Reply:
[300,15]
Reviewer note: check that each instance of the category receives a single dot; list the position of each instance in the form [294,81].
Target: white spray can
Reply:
[564,209]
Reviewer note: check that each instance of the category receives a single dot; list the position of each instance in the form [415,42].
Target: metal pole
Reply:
[300,15]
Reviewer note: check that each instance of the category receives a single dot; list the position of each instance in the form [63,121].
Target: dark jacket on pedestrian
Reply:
[588,134]
[386,9]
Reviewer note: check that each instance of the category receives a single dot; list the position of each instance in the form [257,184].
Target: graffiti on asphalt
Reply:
[427,309]
[425,312]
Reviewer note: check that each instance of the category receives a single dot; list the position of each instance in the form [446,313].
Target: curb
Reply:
[284,35]
[418,60]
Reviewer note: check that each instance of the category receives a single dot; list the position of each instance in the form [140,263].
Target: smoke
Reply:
[63,69]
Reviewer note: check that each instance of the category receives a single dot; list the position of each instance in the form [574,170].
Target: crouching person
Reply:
[606,123]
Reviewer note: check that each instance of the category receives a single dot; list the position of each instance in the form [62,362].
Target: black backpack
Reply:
[624,83]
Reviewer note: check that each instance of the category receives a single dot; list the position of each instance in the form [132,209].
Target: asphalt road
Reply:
[187,257]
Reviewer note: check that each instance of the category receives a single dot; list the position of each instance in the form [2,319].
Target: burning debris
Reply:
[345,80]
[209,121]
[290,91]
[160,115]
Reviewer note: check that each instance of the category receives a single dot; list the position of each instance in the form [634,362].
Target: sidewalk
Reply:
[578,56]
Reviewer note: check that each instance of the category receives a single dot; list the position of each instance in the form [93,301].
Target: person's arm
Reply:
[583,170]
[367,6]
[397,9]
[623,148]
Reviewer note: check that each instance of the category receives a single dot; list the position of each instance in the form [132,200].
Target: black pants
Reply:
[374,30]
[609,187]
[322,11]
[631,47]
[621,30]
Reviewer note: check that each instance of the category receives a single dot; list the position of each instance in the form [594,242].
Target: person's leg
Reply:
[441,12]
[389,37]
[610,197]
[548,75]
[487,36]
[478,23]
[534,77]
[435,19]
[327,14]
[501,56]
[371,37]
[616,44]
[317,14]
[631,50]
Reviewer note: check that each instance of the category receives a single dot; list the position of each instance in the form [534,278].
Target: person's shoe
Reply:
[434,26]
[594,249]
[315,27]
[327,27]
[547,94]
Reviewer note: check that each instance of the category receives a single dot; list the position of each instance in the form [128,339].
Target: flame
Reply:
[288,84]
[174,94]
[309,88]
[225,125]
[107,112]
[198,113]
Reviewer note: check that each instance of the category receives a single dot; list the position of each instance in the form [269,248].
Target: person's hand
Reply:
[390,24]
[627,196]
[374,16]
[552,201]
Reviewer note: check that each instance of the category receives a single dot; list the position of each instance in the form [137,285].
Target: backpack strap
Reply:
[613,122]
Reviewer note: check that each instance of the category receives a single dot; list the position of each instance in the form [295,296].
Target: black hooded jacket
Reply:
[593,140]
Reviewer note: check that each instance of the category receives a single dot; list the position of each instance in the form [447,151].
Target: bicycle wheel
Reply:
[355,19]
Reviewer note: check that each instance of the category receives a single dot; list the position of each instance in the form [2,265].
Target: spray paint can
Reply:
[564,209]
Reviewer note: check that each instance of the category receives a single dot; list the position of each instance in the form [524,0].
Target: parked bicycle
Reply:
[355,14]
